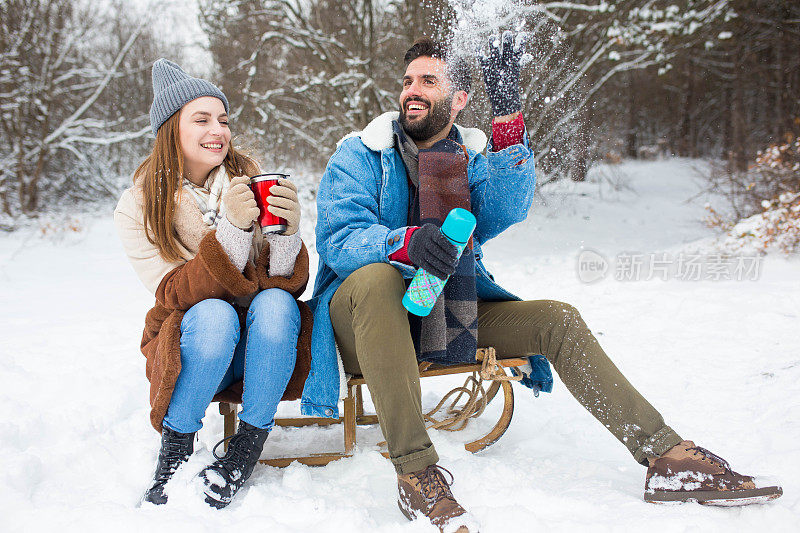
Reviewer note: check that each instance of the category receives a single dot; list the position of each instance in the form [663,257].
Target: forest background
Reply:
[604,80]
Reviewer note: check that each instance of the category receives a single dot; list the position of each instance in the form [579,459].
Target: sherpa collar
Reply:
[378,134]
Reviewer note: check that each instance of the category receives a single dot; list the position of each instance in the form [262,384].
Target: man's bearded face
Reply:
[422,119]
[427,98]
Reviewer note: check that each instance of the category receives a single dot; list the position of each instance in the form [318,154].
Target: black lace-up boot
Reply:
[175,450]
[225,476]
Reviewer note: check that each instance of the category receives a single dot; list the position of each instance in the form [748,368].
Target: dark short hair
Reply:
[457,67]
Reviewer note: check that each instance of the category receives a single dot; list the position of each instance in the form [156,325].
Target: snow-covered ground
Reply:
[720,359]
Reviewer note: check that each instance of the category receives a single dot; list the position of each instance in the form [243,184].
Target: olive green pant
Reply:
[372,332]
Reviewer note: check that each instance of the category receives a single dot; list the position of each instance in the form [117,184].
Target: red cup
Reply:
[260,185]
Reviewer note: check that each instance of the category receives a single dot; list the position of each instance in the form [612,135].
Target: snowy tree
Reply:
[725,85]
[602,75]
[67,91]
[302,74]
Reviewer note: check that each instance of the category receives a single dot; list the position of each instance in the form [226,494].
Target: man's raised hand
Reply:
[501,68]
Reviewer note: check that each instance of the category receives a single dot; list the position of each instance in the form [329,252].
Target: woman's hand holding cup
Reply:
[240,204]
[283,202]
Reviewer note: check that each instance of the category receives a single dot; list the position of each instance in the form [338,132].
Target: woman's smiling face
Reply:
[204,137]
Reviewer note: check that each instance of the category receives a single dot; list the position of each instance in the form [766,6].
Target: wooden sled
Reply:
[489,369]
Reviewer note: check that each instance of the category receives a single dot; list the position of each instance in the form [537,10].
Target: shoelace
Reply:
[237,454]
[714,457]
[434,485]
[175,453]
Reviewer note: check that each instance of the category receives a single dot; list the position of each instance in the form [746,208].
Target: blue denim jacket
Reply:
[362,209]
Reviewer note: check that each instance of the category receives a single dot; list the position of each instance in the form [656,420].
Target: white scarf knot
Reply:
[209,197]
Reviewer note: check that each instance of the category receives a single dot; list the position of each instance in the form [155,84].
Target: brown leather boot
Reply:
[427,493]
[690,473]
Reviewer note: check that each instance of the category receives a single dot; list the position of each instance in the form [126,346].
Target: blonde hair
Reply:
[161,176]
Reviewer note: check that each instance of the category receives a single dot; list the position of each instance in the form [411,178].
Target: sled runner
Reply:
[459,405]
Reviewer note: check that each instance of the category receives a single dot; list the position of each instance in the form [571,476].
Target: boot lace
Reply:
[434,485]
[240,447]
[173,453]
[710,455]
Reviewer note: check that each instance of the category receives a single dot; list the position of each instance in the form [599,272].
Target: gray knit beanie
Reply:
[173,88]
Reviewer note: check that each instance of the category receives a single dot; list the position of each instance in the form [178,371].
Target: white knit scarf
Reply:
[209,196]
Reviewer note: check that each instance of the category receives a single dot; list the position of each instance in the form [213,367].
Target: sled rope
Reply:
[456,418]
[490,371]
[476,401]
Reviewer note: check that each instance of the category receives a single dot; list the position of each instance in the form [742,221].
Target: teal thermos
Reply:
[425,288]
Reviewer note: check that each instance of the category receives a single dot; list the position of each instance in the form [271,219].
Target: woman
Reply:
[226,322]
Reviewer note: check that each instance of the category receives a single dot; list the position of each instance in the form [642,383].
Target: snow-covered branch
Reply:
[101,87]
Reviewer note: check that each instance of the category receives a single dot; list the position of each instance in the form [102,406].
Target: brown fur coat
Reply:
[210,274]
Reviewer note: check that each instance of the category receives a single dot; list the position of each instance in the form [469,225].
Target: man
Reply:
[380,204]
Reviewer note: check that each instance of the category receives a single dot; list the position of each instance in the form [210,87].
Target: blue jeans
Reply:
[214,355]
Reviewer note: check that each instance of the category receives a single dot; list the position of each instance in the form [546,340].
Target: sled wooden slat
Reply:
[228,411]
[349,421]
[366,420]
[307,421]
[320,459]
[354,413]
[502,424]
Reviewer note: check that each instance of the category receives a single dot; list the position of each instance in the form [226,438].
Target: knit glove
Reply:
[501,66]
[240,203]
[283,202]
[430,250]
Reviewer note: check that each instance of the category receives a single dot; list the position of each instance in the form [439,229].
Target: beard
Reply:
[436,120]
